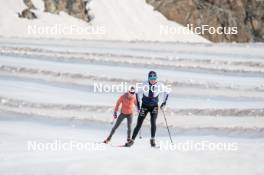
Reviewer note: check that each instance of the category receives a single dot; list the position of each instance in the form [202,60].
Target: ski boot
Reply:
[106,141]
[152,142]
[129,143]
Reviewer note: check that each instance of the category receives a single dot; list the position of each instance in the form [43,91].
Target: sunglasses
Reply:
[131,92]
[152,78]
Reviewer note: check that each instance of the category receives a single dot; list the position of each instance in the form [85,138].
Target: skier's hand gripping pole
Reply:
[114,117]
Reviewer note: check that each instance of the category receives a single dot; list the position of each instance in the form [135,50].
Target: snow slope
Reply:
[113,20]
[214,92]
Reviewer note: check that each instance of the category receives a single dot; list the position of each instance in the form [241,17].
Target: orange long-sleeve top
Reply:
[128,103]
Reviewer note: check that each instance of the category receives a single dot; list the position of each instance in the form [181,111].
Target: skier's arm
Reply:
[165,96]
[137,102]
[118,103]
[139,93]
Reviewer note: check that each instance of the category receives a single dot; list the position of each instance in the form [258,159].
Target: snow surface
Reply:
[113,20]
[17,158]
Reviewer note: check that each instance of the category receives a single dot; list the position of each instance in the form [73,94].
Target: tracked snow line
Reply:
[19,104]
[221,130]
[210,65]
[74,78]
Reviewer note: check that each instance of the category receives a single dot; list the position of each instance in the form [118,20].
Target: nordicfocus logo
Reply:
[60,29]
[197,146]
[199,30]
[124,87]
[59,145]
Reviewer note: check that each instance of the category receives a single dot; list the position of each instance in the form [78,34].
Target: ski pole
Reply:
[140,135]
[167,125]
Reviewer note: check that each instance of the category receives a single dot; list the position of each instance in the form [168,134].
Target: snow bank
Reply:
[113,20]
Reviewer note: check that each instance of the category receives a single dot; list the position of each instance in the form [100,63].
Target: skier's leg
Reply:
[129,123]
[118,122]
[153,118]
[142,114]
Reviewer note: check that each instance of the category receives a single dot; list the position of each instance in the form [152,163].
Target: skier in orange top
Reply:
[128,101]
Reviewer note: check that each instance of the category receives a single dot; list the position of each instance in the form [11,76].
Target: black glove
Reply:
[115,115]
[162,105]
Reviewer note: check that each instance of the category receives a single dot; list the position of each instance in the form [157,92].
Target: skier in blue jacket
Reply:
[149,94]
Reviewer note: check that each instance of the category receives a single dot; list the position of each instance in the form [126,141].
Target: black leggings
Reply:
[119,120]
[142,115]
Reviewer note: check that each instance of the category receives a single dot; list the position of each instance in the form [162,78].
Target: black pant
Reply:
[142,115]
